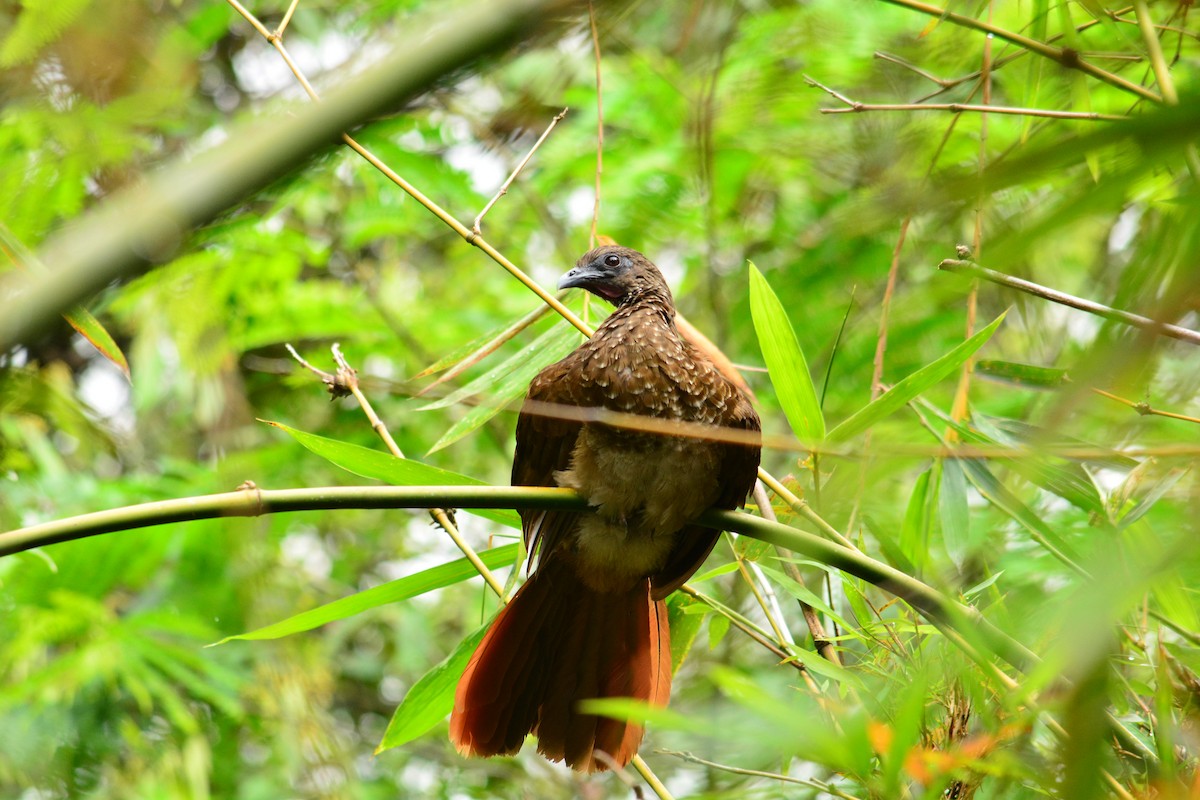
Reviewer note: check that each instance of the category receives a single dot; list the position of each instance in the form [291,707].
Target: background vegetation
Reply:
[1066,516]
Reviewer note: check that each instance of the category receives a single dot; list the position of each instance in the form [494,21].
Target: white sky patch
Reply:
[104,389]
[305,550]
[1081,327]
[579,205]
[670,263]
[1123,231]
[263,73]
[486,170]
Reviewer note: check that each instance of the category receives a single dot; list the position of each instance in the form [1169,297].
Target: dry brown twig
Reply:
[856,107]
[820,639]
[504,187]
[345,382]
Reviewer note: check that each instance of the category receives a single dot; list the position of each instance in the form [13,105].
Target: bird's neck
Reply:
[653,298]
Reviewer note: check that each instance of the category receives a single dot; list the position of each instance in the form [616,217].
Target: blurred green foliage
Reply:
[715,153]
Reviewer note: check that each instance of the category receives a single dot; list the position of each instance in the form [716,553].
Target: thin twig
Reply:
[1055,296]
[345,381]
[775,776]
[959,108]
[759,594]
[855,107]
[885,307]
[1064,56]
[820,639]
[648,775]
[504,187]
[1144,408]
[805,510]
[943,82]
[287,17]
[750,629]
[466,233]
[599,123]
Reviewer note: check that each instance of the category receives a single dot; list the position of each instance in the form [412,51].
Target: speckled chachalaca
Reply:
[590,622]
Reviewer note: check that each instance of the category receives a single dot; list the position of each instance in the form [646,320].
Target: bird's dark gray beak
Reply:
[580,277]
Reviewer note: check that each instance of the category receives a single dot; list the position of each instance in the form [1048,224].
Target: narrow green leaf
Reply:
[456,355]
[889,545]
[904,391]
[527,361]
[466,356]
[715,572]
[858,604]
[803,593]
[431,698]
[685,625]
[1026,375]
[393,591]
[952,510]
[995,493]
[718,626]
[78,317]
[629,709]
[914,531]
[907,725]
[385,467]
[1065,478]
[979,587]
[507,382]
[90,328]
[785,360]
[819,666]
[1160,486]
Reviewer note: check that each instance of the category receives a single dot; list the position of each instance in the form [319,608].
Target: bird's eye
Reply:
[612,261]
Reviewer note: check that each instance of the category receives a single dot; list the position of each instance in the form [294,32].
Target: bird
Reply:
[590,621]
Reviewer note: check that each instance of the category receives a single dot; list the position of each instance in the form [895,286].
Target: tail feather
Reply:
[557,643]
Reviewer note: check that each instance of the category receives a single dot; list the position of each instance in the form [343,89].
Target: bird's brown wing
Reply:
[739,470]
[544,445]
[739,462]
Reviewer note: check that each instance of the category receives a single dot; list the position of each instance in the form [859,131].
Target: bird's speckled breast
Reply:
[645,487]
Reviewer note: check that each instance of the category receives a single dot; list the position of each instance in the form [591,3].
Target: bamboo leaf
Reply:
[685,625]
[385,467]
[952,509]
[528,361]
[90,328]
[78,317]
[505,383]
[1029,376]
[431,698]
[916,383]
[391,592]
[466,356]
[914,531]
[785,361]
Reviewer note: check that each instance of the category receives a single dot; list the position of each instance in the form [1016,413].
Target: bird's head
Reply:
[617,274]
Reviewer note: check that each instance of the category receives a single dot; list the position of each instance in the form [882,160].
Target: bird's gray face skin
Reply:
[600,272]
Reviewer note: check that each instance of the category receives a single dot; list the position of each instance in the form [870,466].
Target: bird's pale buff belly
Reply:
[644,490]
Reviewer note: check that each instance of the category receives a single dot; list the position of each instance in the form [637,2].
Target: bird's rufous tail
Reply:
[557,643]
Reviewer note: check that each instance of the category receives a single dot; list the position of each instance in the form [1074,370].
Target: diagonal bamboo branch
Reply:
[1090,306]
[146,223]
